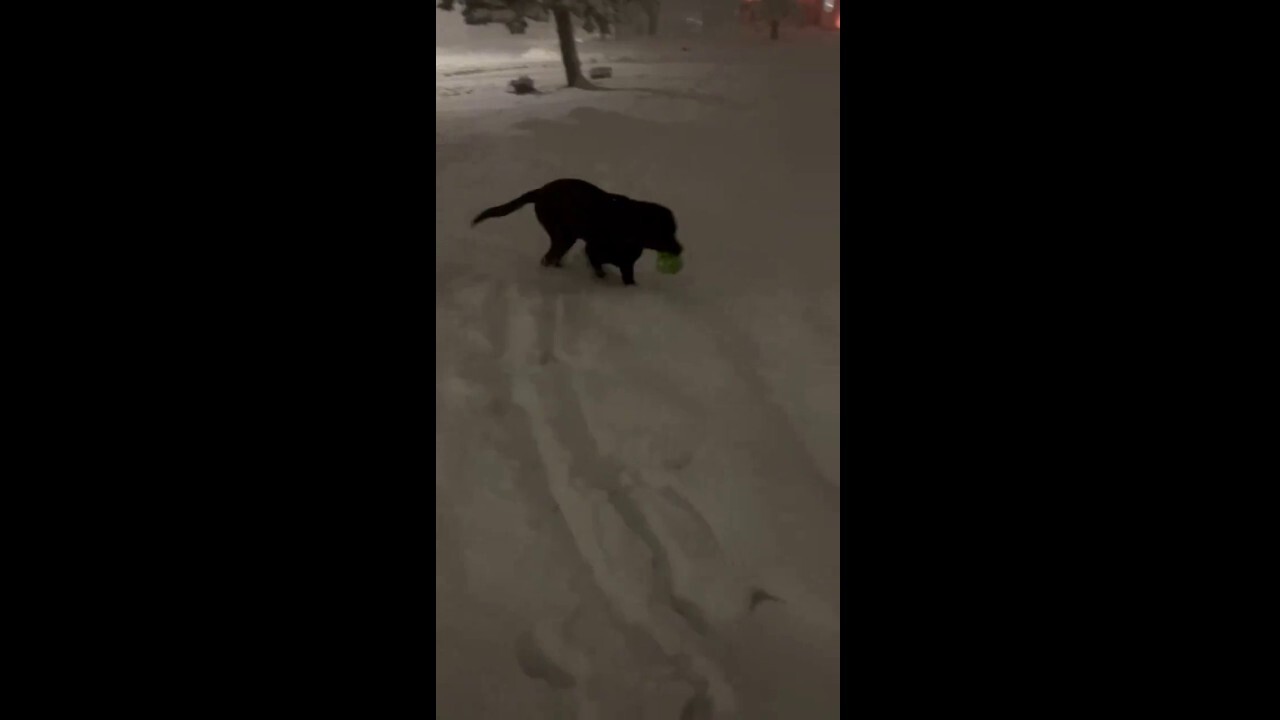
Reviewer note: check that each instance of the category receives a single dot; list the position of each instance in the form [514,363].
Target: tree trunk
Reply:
[651,9]
[568,48]
[773,29]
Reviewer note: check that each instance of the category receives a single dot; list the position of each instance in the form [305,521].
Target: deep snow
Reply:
[622,472]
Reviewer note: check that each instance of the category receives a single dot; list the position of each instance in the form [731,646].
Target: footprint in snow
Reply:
[759,596]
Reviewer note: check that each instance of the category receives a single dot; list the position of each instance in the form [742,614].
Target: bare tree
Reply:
[775,11]
[650,8]
[515,14]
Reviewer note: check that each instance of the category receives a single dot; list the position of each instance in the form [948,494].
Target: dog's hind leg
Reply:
[560,244]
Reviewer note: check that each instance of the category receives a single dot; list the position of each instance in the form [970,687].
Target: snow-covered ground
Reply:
[624,472]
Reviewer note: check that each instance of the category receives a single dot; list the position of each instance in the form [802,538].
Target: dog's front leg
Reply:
[594,259]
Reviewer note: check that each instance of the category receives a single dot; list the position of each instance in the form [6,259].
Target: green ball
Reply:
[669,264]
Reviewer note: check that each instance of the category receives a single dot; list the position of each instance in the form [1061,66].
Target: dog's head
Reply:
[660,230]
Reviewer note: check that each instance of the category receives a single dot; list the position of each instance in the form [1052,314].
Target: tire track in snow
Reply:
[538,652]
[752,425]
[522,347]
[581,479]
[750,436]
[783,446]
[781,453]
[545,383]
[650,504]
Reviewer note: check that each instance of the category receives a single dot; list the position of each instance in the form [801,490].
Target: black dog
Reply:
[615,228]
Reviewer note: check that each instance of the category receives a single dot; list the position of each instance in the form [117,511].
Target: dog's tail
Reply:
[503,210]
